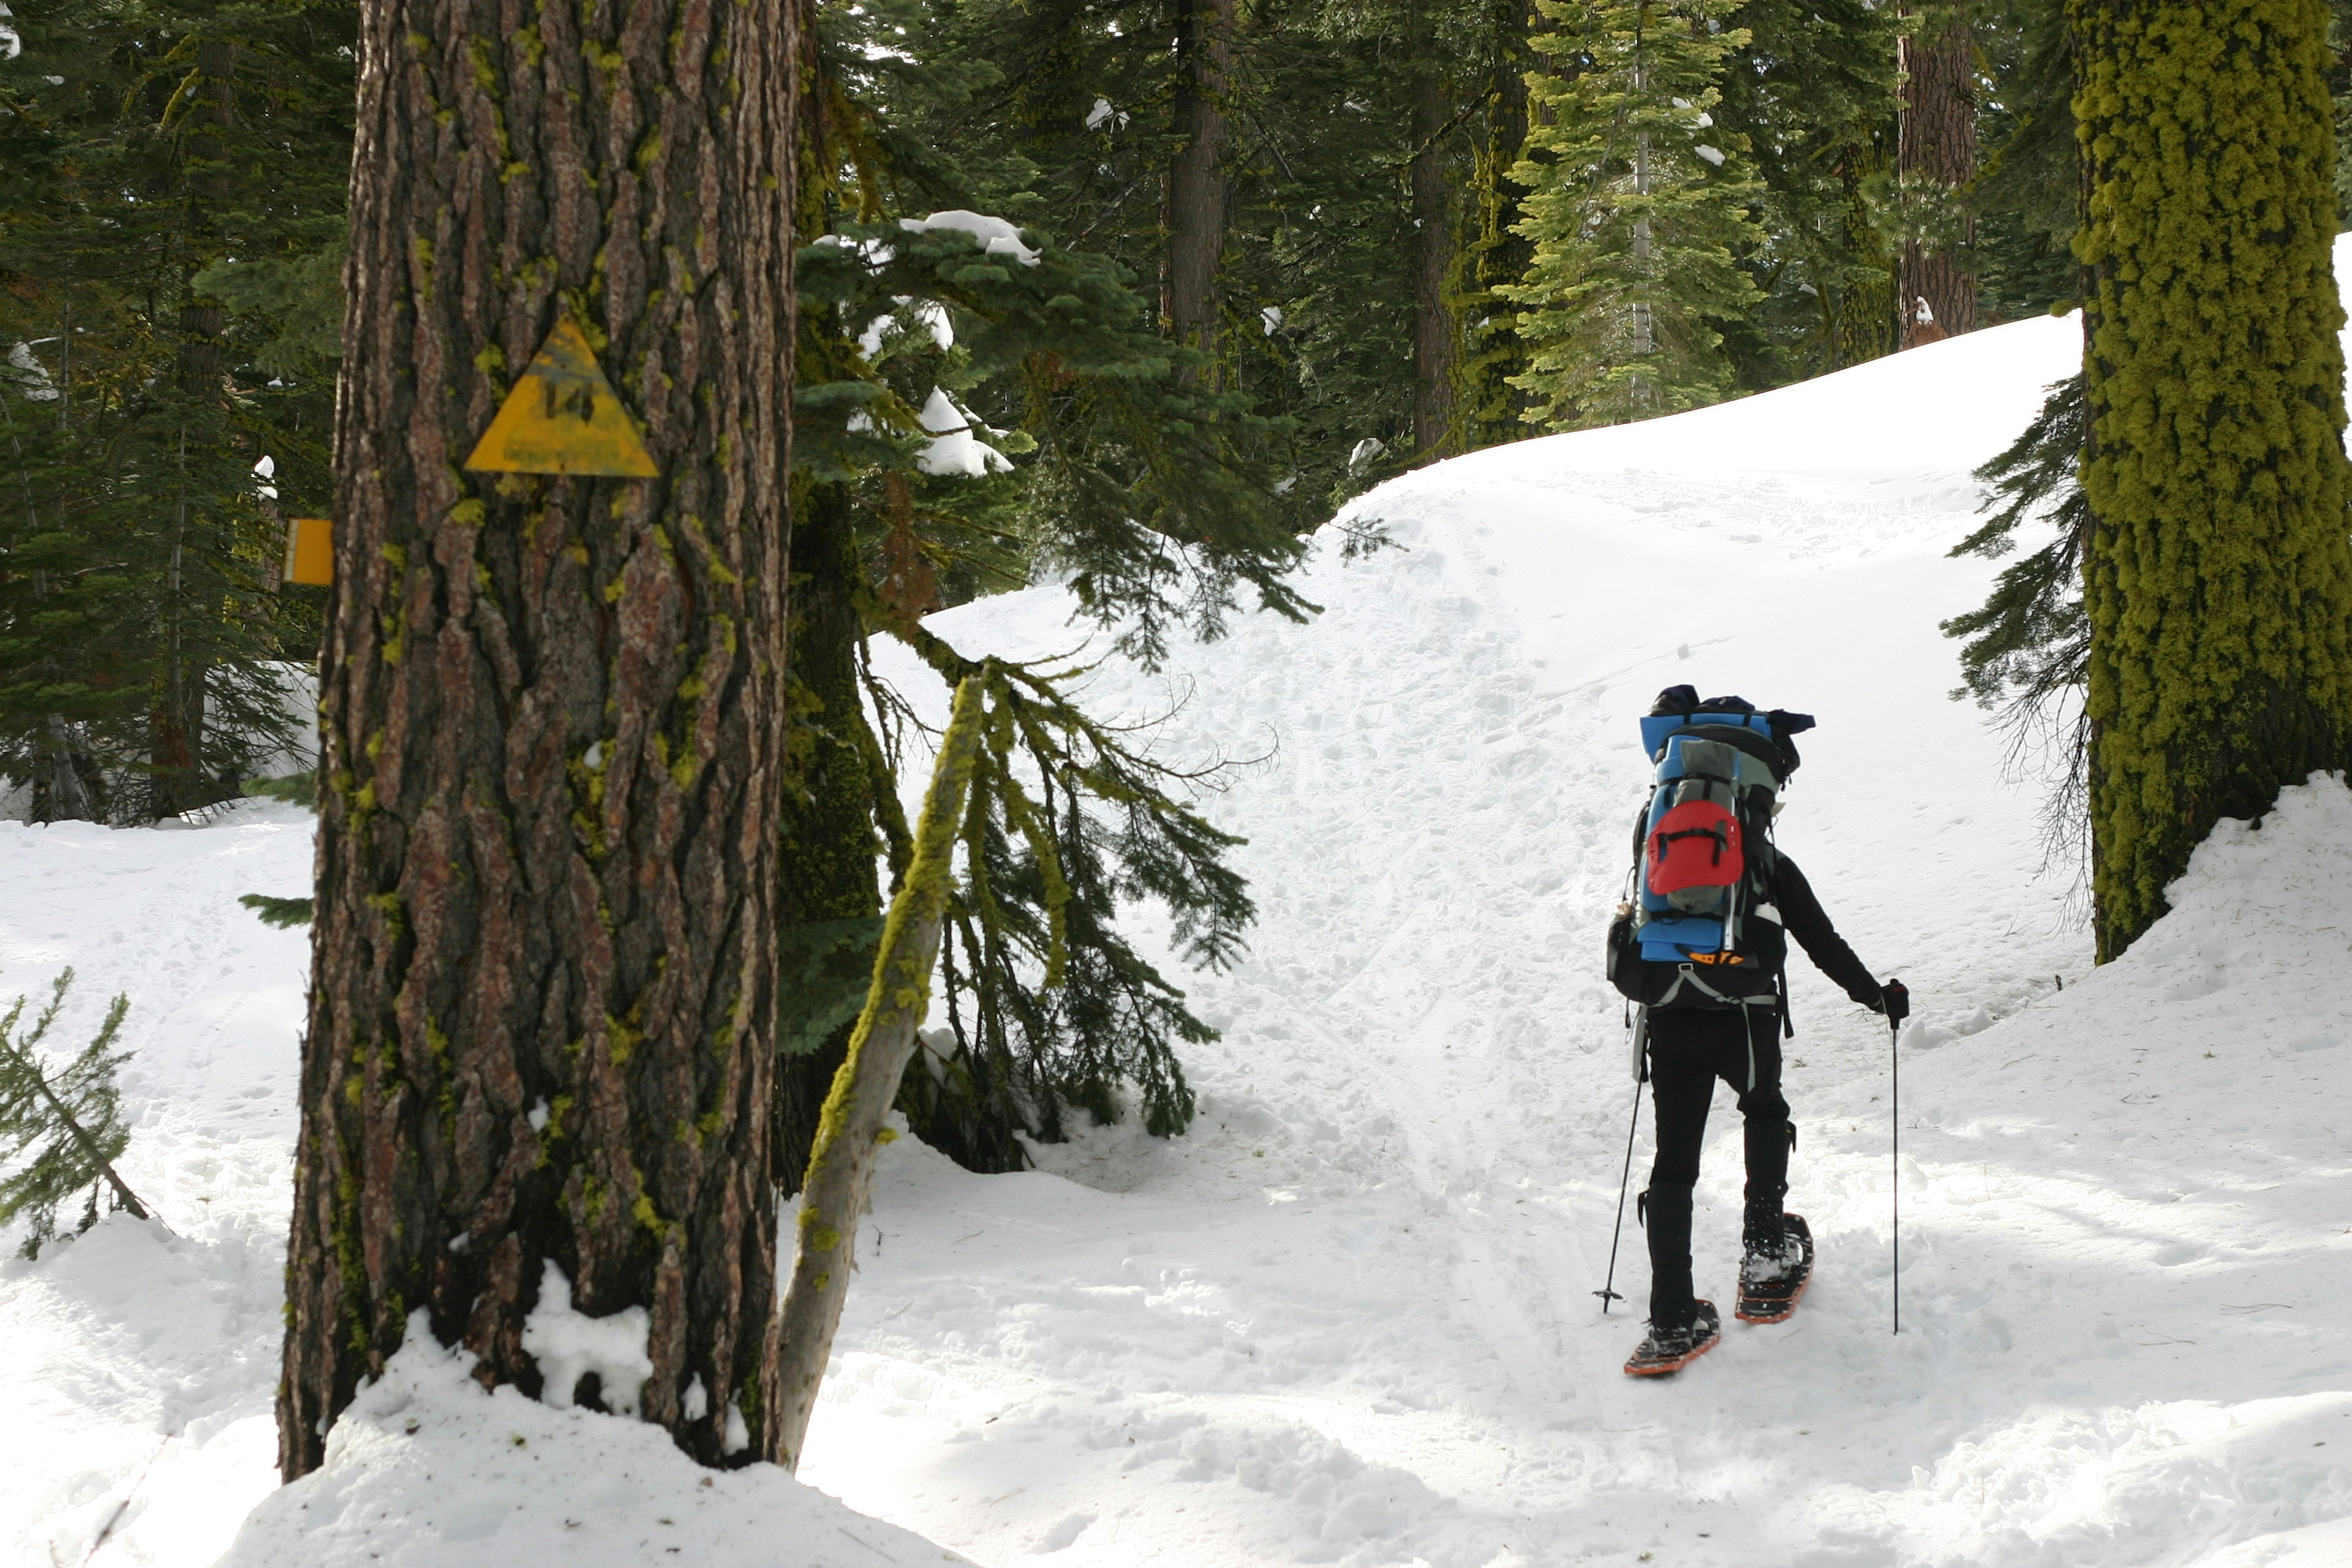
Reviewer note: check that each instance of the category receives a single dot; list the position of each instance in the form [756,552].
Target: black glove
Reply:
[1895,1001]
[1876,1002]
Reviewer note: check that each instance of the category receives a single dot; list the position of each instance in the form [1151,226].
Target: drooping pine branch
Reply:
[1069,821]
[61,1129]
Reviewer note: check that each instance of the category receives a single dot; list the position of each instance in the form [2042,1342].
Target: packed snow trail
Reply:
[1349,1318]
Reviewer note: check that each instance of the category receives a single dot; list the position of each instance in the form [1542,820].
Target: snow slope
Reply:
[1349,1318]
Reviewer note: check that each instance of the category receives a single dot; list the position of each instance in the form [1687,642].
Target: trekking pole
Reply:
[1608,1292]
[1898,1007]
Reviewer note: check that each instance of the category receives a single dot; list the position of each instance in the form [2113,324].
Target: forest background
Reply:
[1263,254]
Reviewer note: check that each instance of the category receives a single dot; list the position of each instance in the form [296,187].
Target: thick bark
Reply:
[543,993]
[1196,178]
[1935,155]
[2216,575]
[829,843]
[840,1176]
[1436,336]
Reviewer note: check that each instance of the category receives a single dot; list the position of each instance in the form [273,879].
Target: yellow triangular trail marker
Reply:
[562,418]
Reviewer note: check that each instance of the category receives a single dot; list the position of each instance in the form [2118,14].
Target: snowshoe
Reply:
[1671,1349]
[1774,1272]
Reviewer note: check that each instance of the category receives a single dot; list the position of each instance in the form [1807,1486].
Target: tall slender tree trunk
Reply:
[1935,155]
[1643,329]
[829,843]
[176,720]
[1196,178]
[1862,324]
[542,996]
[2218,576]
[841,1173]
[1436,333]
[1502,255]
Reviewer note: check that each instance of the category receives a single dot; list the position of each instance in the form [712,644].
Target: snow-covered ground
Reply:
[1350,1317]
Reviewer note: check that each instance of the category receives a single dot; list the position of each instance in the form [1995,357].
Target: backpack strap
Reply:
[1688,975]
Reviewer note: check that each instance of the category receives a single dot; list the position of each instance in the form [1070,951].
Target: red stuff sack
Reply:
[1692,858]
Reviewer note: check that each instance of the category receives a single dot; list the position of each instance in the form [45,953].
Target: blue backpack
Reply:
[1699,929]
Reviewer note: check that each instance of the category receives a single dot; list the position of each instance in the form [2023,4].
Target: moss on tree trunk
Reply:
[829,842]
[2217,579]
[543,985]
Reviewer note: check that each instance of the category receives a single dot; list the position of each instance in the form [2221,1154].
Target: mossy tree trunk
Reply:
[1492,414]
[1862,325]
[829,842]
[543,985]
[1436,331]
[2218,578]
[841,1173]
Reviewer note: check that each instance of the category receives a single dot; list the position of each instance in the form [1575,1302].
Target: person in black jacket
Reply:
[1717,1013]
[1691,1046]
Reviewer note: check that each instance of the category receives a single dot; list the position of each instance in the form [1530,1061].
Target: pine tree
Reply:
[1191,302]
[2027,648]
[2219,576]
[142,627]
[2026,199]
[61,1128]
[1639,205]
[1812,91]
[1150,494]
[542,1008]
[1498,254]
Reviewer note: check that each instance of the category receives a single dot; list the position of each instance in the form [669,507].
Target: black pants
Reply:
[1689,1050]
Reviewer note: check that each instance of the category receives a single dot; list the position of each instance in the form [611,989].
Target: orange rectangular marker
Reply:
[310,550]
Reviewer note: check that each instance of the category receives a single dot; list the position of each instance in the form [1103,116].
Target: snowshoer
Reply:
[1702,949]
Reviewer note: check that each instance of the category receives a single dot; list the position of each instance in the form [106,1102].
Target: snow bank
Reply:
[428,1471]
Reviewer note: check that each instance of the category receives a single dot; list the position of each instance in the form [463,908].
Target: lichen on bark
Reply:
[542,989]
[2218,577]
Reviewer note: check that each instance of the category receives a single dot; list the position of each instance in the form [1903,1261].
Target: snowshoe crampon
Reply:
[1671,1349]
[1771,1282]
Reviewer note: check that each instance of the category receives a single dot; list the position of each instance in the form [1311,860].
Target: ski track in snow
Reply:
[1349,1318]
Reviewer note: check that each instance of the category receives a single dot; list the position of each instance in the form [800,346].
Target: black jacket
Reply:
[1801,916]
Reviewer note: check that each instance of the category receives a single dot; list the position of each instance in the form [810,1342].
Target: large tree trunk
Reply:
[829,843]
[1436,337]
[1196,179]
[543,993]
[1502,254]
[1936,155]
[2218,577]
